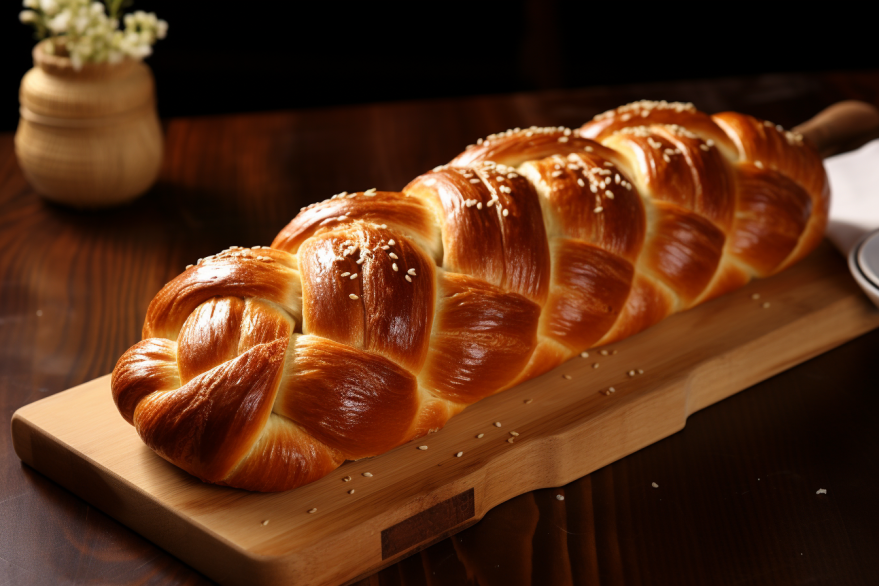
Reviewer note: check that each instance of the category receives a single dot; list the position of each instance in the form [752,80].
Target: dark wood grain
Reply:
[736,501]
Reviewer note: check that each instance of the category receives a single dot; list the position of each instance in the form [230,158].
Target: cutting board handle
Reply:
[842,127]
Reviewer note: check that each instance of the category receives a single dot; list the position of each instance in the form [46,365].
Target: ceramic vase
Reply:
[88,138]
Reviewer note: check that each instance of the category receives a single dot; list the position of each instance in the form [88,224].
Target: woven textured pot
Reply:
[88,138]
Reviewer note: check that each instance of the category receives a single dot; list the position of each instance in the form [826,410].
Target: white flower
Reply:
[91,36]
[80,24]
[59,23]
[49,7]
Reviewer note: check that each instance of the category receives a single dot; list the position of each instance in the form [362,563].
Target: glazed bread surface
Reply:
[376,316]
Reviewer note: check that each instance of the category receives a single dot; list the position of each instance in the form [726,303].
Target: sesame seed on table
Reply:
[76,286]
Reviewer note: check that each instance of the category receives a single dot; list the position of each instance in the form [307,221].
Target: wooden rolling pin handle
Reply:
[842,127]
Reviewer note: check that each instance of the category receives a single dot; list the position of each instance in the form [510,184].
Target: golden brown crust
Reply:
[589,291]
[676,166]
[208,424]
[369,288]
[262,273]
[514,147]
[491,224]
[479,332]
[377,316]
[284,456]
[147,367]
[589,197]
[647,113]
[407,216]
[353,401]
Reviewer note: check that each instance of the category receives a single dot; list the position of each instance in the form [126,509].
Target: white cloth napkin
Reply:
[854,195]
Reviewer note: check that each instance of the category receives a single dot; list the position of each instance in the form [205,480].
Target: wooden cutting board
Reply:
[567,427]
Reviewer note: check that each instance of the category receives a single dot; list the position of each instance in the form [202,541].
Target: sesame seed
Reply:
[480,436]
[584,354]
[821,491]
[563,139]
[604,352]
[475,181]
[368,474]
[408,278]
[422,447]
[755,296]
[189,266]
[640,371]
[766,305]
[654,485]
[611,390]
[479,206]
[459,454]
[391,241]
[559,497]
[266,522]
[758,164]
[351,491]
[528,401]
[385,247]
[346,479]
[510,440]
[581,183]
[490,203]
[506,213]
[514,433]
[394,266]
[609,194]
[666,159]
[598,210]
[360,261]
[631,373]
[345,274]
[353,296]
[393,256]
[595,365]
[411,272]
[497,423]
[567,376]
[384,226]
[353,276]
[370,191]
[314,510]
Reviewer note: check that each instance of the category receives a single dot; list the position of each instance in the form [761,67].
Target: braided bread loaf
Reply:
[376,316]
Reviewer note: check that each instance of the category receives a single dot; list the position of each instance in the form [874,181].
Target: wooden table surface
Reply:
[736,501]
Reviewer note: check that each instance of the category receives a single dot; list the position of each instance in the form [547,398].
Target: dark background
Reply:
[272,54]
